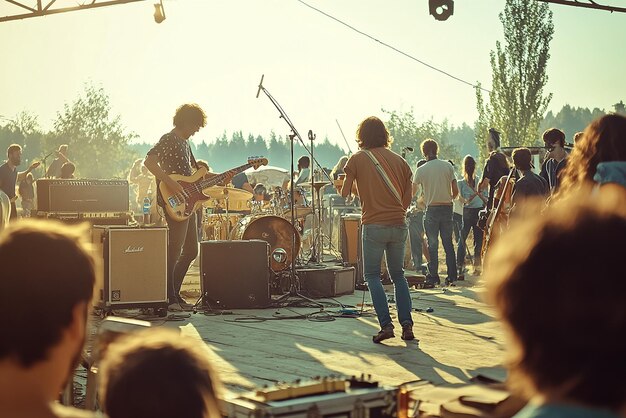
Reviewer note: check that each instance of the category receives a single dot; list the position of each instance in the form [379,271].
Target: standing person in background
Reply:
[54,169]
[440,189]
[496,166]
[67,170]
[144,182]
[9,175]
[555,159]
[529,184]
[415,217]
[383,179]
[457,213]
[473,202]
[26,191]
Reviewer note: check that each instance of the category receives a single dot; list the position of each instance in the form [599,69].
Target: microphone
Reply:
[311,135]
[260,86]
[407,149]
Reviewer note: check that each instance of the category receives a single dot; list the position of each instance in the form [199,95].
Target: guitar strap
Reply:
[384,176]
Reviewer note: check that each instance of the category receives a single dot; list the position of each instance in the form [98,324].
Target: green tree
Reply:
[570,120]
[406,132]
[517,102]
[98,143]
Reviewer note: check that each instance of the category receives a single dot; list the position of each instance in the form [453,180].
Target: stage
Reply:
[458,340]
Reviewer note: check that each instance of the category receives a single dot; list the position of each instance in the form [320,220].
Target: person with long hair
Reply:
[383,179]
[495,168]
[473,202]
[599,156]
[338,168]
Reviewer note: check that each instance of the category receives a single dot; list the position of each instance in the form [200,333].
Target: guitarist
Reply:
[172,155]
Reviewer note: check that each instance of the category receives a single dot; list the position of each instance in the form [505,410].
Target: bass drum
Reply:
[276,231]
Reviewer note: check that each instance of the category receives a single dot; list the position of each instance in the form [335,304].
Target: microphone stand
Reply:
[293,278]
[43,163]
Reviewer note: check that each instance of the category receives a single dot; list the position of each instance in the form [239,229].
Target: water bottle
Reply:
[146,211]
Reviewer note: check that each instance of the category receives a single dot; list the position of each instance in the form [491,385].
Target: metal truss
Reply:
[589,4]
[44,8]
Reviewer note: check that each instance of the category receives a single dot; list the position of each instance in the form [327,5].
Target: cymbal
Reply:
[316,184]
[233,194]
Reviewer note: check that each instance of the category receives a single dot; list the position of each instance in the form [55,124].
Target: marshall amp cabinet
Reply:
[134,262]
[82,195]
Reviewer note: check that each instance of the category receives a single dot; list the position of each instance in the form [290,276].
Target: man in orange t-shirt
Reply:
[384,204]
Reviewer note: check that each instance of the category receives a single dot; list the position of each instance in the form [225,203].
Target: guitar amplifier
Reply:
[94,218]
[235,274]
[326,282]
[351,251]
[134,262]
[82,195]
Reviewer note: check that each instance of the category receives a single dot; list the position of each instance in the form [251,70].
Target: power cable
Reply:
[393,47]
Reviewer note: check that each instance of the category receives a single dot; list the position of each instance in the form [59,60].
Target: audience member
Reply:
[555,159]
[26,191]
[457,213]
[562,326]
[473,202]
[415,217]
[9,175]
[67,170]
[54,169]
[528,184]
[43,315]
[158,374]
[440,188]
[600,155]
[495,168]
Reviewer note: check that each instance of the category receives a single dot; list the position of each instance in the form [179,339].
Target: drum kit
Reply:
[234,214]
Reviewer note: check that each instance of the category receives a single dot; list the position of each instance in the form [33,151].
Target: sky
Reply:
[214,52]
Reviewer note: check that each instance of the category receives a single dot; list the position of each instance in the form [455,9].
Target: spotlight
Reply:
[159,12]
[441,9]
[279,255]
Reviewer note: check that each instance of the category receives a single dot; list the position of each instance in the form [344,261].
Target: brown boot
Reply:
[407,333]
[384,334]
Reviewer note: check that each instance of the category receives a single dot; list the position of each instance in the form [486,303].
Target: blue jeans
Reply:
[438,221]
[182,249]
[457,226]
[388,240]
[416,236]
[470,221]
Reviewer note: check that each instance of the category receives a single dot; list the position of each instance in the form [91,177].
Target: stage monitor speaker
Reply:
[326,282]
[351,251]
[82,195]
[235,274]
[134,261]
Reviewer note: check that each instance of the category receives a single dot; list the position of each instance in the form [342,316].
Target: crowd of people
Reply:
[544,275]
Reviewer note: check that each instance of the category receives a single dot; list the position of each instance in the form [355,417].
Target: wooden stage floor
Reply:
[249,348]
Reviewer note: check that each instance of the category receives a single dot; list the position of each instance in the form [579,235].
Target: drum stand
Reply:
[293,293]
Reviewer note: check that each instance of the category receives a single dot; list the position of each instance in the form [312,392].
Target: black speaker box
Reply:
[82,195]
[327,282]
[235,274]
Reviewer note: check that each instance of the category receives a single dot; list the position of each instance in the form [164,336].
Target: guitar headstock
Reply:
[257,162]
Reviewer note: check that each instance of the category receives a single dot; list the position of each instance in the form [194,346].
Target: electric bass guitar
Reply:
[180,206]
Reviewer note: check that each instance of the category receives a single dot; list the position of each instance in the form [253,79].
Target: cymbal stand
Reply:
[293,293]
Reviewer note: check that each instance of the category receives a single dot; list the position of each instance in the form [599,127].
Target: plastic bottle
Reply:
[146,210]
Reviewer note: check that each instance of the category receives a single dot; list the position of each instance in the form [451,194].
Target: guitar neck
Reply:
[205,183]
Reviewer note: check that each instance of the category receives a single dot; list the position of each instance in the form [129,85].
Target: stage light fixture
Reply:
[159,12]
[441,9]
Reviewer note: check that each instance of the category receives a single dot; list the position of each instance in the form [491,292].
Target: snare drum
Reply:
[276,231]
[215,226]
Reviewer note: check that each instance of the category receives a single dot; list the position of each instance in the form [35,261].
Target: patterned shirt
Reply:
[174,156]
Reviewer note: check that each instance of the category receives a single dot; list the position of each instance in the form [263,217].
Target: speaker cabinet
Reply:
[82,195]
[134,261]
[327,282]
[235,274]
[351,252]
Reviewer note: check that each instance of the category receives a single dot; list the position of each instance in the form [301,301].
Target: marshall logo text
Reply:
[130,249]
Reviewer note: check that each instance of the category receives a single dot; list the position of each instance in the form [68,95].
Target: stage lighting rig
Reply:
[159,12]
[441,9]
